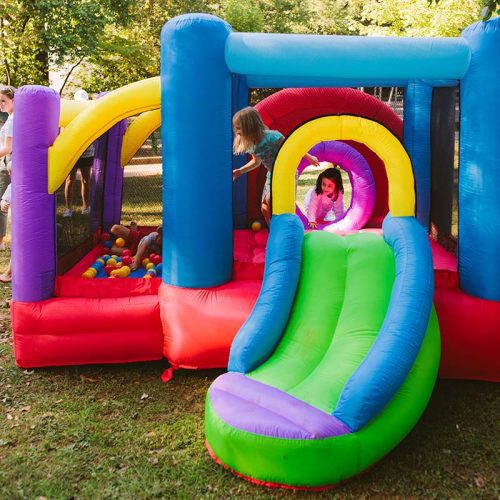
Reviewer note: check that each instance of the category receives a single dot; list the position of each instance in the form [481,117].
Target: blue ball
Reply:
[107,244]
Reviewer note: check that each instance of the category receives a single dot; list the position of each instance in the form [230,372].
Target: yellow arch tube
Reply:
[92,122]
[137,133]
[345,127]
[71,109]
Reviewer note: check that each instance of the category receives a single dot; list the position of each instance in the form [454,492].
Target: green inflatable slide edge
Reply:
[341,301]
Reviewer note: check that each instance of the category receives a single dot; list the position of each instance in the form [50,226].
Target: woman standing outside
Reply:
[6,133]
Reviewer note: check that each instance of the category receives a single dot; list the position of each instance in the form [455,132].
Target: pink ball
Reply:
[104,236]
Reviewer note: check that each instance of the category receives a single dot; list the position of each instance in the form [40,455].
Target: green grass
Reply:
[117,431]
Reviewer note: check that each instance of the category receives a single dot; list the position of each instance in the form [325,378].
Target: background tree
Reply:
[488,8]
[417,18]
[37,34]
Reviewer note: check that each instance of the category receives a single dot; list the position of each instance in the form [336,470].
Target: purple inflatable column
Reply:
[113,180]
[36,126]
[97,183]
[107,179]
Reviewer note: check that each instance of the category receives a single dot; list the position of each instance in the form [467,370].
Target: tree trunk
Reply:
[42,58]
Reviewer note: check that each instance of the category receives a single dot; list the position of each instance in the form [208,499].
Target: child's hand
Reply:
[4,206]
[236,174]
[134,266]
[314,160]
[313,224]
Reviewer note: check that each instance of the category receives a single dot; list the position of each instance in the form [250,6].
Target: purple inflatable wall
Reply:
[36,126]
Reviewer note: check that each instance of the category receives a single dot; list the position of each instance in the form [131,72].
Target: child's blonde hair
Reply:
[251,130]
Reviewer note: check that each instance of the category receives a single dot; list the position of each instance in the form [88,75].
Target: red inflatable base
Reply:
[77,331]
[469,326]
[470,335]
[199,324]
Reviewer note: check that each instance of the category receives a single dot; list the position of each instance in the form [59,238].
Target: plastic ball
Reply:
[149,266]
[120,242]
[111,262]
[104,236]
[148,276]
[90,273]
[107,244]
[124,271]
[101,260]
[256,226]
[127,260]
[155,258]
[159,268]
[152,272]
[126,253]
[145,262]
[108,269]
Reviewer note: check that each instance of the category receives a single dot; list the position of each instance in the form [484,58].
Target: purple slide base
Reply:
[252,406]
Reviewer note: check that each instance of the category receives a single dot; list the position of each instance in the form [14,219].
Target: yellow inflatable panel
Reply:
[71,109]
[344,128]
[137,133]
[92,122]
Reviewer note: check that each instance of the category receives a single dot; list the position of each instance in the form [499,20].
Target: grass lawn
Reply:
[118,432]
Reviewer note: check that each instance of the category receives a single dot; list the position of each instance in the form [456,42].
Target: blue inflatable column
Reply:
[479,179]
[240,198]
[417,139]
[197,152]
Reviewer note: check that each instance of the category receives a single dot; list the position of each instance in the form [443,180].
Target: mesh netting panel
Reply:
[73,207]
[142,185]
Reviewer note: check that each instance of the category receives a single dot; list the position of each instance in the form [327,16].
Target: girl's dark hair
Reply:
[334,175]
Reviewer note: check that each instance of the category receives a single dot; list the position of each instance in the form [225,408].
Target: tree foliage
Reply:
[417,18]
[109,43]
[488,8]
[36,34]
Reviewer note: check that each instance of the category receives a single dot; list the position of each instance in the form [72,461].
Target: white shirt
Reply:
[6,195]
[319,206]
[6,131]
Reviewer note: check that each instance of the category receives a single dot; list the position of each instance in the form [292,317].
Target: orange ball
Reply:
[256,226]
[120,242]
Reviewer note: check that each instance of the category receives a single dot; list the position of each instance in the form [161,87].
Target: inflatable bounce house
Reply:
[333,338]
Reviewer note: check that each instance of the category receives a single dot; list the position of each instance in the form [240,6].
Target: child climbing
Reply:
[251,136]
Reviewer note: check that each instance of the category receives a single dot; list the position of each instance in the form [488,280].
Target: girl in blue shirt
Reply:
[252,137]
